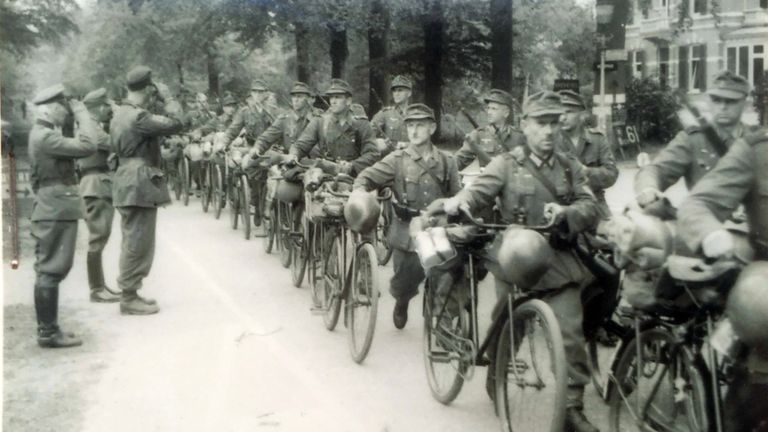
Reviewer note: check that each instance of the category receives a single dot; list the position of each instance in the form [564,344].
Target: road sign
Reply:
[566,84]
[609,66]
[615,55]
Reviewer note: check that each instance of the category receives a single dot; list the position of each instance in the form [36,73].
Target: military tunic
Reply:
[255,120]
[284,131]
[521,198]
[139,186]
[490,141]
[352,141]
[415,188]
[96,192]
[594,152]
[56,207]
[389,123]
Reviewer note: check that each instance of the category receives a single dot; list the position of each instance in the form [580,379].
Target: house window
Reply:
[664,66]
[700,6]
[638,63]
[699,68]
[732,60]
[747,61]
[682,67]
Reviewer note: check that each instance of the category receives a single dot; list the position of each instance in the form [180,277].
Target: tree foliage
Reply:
[652,109]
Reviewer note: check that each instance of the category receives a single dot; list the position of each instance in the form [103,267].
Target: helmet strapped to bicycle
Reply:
[362,211]
[289,192]
[524,256]
[747,306]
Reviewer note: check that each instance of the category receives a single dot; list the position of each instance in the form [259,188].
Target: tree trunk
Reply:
[378,32]
[433,23]
[501,44]
[302,51]
[213,72]
[339,50]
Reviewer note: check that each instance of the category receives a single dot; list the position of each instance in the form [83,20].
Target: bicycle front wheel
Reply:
[659,388]
[363,303]
[205,174]
[245,206]
[333,283]
[186,180]
[218,190]
[300,254]
[283,231]
[269,223]
[234,202]
[530,370]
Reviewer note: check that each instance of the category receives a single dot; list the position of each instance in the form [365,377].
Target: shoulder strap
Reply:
[528,164]
[439,183]
[399,183]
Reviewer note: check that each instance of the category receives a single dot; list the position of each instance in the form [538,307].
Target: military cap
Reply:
[229,100]
[50,94]
[730,86]
[572,99]
[259,85]
[358,111]
[339,86]
[499,96]
[300,88]
[138,78]
[419,111]
[542,103]
[96,97]
[401,81]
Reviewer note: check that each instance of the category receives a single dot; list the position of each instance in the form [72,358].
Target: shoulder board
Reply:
[692,129]
[595,131]
[757,137]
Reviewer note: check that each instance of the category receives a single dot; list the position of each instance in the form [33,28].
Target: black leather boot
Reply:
[400,313]
[47,309]
[100,293]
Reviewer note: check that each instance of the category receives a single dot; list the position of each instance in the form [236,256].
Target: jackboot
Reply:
[400,313]
[100,292]
[133,304]
[47,310]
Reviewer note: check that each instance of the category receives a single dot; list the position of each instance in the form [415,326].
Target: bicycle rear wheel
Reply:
[445,358]
[205,174]
[333,283]
[363,302]
[315,260]
[218,190]
[269,225]
[659,389]
[530,373]
[245,206]
[234,201]
[283,230]
[300,253]
[186,179]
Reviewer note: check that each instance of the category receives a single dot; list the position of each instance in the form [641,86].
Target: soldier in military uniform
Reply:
[690,154]
[388,124]
[253,119]
[589,146]
[139,185]
[96,190]
[57,204]
[540,185]
[498,137]
[345,144]
[418,175]
[229,107]
[739,178]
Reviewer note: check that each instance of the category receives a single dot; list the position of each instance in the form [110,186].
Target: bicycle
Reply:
[218,175]
[349,262]
[381,235]
[239,194]
[523,381]
[670,378]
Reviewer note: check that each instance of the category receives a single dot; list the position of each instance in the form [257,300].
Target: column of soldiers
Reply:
[551,168]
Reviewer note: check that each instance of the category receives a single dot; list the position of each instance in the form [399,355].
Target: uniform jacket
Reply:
[52,158]
[136,140]
[389,123]
[412,186]
[254,120]
[95,178]
[351,142]
[489,140]
[594,152]
[284,131]
[204,120]
[689,155]
[506,181]
[739,178]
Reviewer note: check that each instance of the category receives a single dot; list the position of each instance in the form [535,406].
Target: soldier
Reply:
[499,136]
[418,175]
[345,144]
[739,178]
[388,123]
[229,107]
[96,191]
[139,185]
[589,146]
[542,185]
[691,154]
[57,205]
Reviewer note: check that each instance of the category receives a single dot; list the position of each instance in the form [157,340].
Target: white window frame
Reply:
[751,55]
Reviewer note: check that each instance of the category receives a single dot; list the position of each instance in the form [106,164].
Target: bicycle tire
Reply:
[284,231]
[383,248]
[245,206]
[525,385]
[435,355]
[300,253]
[269,228]
[218,191]
[333,283]
[234,202]
[315,261]
[186,180]
[205,178]
[600,362]
[364,293]
[663,373]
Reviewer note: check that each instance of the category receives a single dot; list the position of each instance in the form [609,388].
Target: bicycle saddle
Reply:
[689,269]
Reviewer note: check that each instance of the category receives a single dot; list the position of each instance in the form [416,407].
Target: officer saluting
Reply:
[96,190]
[139,185]
[418,174]
[56,206]
[589,146]
[499,136]
[389,124]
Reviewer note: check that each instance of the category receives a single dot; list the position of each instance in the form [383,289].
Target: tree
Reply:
[28,25]
[378,33]
[433,23]
[501,44]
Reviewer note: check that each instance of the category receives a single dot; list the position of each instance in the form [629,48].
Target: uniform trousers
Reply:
[138,246]
[99,214]
[54,250]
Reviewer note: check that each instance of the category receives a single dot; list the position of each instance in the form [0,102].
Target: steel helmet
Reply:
[289,192]
[524,256]
[747,306]
[362,211]
[635,230]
